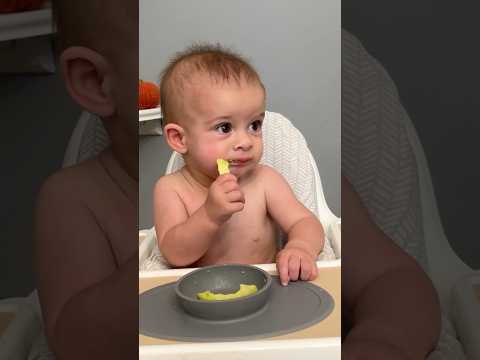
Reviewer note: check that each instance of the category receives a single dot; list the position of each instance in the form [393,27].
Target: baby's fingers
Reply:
[293,267]
[282,268]
[226,178]
[236,196]
[236,206]
[229,186]
[306,269]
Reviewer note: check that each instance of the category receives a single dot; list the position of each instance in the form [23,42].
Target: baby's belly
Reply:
[254,244]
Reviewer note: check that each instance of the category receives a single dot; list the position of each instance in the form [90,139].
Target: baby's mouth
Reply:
[238,161]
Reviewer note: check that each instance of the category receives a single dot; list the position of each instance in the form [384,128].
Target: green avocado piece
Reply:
[244,290]
[223,166]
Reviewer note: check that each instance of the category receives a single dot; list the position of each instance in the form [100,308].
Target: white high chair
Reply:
[286,150]
[88,139]
[384,160]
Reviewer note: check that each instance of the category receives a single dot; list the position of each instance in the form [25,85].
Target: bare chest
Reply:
[250,220]
[248,236]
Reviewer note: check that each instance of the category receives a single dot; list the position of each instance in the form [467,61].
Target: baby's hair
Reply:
[219,63]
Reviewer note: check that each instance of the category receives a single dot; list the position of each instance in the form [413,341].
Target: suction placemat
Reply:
[289,309]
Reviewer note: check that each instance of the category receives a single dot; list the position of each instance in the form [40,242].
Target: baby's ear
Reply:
[175,136]
[88,77]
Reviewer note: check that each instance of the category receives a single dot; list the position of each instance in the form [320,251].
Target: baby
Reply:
[213,104]
[86,234]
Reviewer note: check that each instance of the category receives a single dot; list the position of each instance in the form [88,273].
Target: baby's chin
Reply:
[243,171]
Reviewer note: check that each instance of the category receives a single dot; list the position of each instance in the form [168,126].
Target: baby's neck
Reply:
[127,161]
[124,146]
[196,178]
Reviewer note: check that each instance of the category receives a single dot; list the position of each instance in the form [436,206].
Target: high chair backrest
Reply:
[384,160]
[89,138]
[285,149]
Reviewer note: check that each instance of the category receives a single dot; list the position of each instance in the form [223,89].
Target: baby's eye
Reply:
[224,128]
[256,126]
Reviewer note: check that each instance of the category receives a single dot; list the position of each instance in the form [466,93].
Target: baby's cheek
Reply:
[208,155]
[259,148]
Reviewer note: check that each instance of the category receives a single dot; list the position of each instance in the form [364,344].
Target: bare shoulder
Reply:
[168,192]
[67,220]
[169,205]
[269,175]
[69,184]
[267,172]
[169,183]
[67,199]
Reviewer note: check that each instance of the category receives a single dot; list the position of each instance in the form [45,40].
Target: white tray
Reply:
[281,349]
[313,349]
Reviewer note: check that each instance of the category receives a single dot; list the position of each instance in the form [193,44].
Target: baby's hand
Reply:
[295,263]
[224,198]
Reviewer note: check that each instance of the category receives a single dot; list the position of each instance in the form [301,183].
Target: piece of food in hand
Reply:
[222,166]
[244,290]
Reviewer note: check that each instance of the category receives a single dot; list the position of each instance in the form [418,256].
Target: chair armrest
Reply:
[334,233]
[19,326]
[146,243]
[466,313]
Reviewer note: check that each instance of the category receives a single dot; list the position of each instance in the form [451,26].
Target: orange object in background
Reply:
[148,95]
[9,6]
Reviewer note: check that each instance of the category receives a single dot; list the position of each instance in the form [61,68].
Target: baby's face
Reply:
[224,121]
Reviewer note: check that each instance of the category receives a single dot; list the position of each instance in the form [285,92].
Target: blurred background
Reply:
[429,49]
[37,119]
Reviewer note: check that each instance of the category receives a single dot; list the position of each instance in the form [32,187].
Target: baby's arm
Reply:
[184,239]
[305,233]
[86,297]
[390,301]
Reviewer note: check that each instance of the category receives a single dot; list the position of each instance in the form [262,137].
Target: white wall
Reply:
[295,46]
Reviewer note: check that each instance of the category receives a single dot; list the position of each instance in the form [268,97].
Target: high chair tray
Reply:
[318,341]
[291,308]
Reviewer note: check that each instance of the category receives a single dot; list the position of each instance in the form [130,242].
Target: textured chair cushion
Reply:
[94,139]
[379,161]
[377,157]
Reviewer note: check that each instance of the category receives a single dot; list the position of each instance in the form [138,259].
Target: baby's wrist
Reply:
[210,218]
[301,245]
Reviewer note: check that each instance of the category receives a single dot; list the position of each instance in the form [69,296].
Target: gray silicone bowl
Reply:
[223,279]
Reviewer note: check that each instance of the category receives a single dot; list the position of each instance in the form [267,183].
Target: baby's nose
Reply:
[243,142]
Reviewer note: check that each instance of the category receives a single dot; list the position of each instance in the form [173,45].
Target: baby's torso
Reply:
[249,236]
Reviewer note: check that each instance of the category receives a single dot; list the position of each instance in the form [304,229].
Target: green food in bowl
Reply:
[244,290]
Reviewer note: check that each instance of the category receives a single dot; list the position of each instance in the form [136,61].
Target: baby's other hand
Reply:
[224,198]
[294,263]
